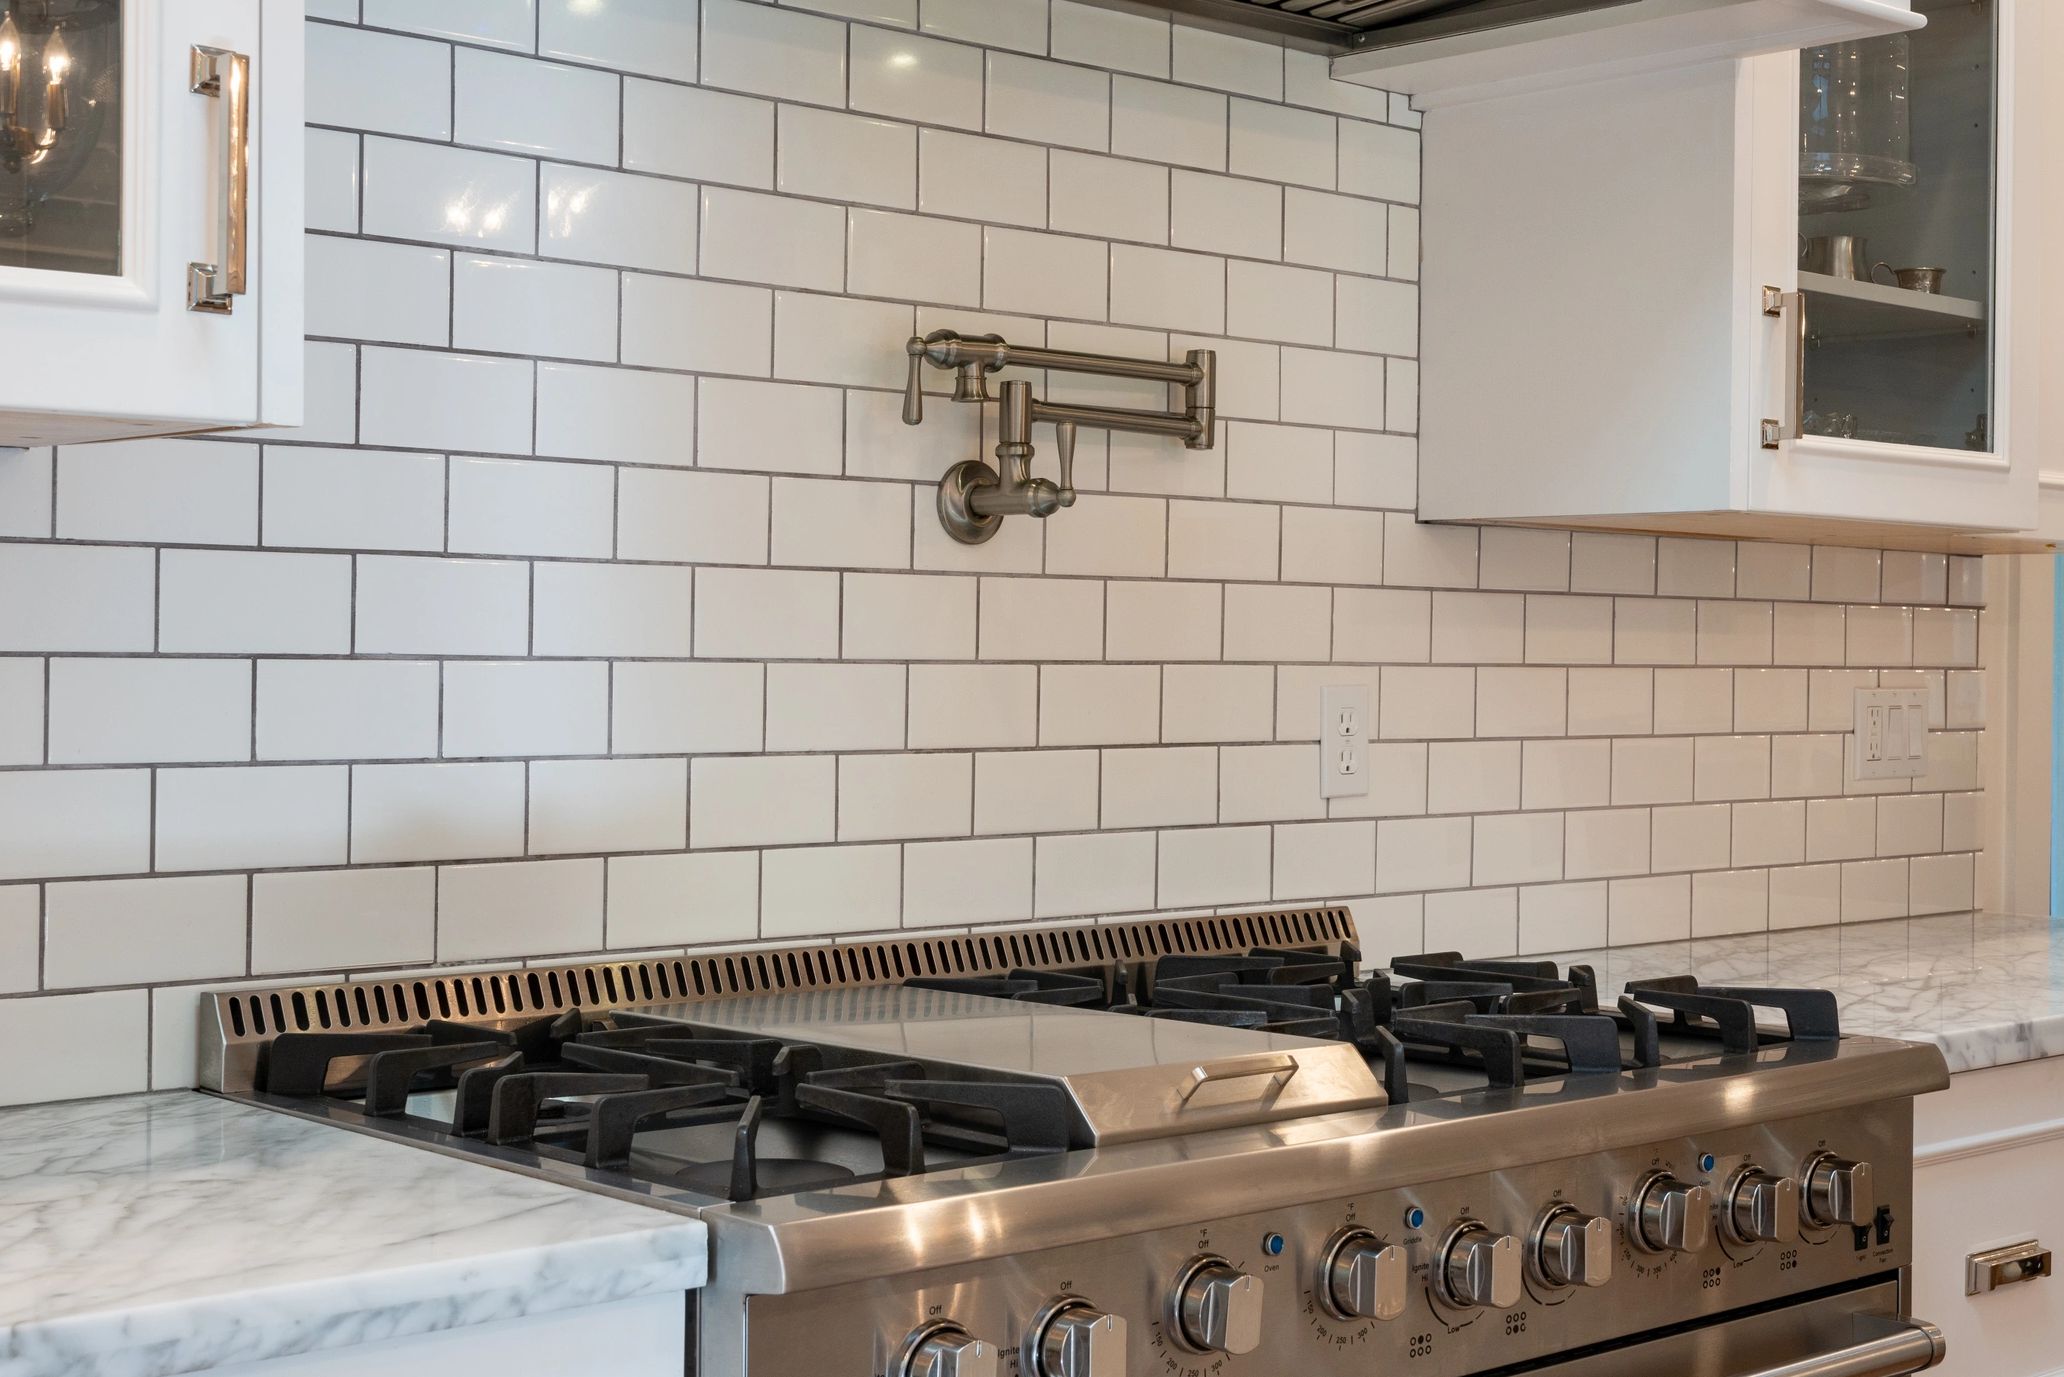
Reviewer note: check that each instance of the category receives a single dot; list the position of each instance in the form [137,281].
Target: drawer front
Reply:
[1969,1204]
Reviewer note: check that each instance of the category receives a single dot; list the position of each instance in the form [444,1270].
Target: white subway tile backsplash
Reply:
[604,539]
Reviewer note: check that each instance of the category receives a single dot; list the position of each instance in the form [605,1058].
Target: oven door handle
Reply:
[1278,1069]
[1897,1348]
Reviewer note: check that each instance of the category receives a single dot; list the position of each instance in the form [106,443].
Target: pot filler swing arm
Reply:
[975,498]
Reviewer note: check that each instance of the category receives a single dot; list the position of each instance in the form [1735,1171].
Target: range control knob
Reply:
[1072,1338]
[1670,1216]
[1364,1278]
[1478,1267]
[1838,1191]
[1761,1208]
[946,1350]
[1216,1308]
[1572,1248]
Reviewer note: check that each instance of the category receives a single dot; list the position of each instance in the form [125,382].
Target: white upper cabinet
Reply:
[1649,300]
[150,232]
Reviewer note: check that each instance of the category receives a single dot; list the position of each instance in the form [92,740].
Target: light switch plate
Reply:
[1344,727]
[1891,733]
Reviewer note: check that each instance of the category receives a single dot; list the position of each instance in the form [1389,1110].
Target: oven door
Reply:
[1857,1333]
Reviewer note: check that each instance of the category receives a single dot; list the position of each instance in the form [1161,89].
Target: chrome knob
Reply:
[1364,1278]
[1074,1339]
[1572,1248]
[947,1350]
[1478,1267]
[1670,1216]
[1838,1191]
[1217,1308]
[1761,1208]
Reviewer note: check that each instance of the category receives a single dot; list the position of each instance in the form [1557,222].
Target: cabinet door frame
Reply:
[1977,490]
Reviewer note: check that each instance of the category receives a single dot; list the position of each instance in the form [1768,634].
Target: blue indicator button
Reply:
[1414,1217]
[1705,1161]
[1272,1244]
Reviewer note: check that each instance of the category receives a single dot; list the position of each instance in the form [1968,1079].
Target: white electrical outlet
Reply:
[1344,740]
[1891,733]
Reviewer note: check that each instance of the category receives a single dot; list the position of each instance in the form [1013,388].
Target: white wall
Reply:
[600,604]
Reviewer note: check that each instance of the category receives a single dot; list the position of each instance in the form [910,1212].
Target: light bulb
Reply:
[57,58]
[10,44]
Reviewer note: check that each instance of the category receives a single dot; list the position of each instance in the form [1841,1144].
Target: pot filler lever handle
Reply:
[1884,1348]
[1278,1068]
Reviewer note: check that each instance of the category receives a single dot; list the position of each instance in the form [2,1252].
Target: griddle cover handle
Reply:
[1278,1069]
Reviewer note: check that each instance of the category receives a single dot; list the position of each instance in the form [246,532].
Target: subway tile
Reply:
[716,518]
[126,932]
[842,157]
[1941,884]
[762,801]
[1317,859]
[1165,787]
[239,602]
[1655,631]
[1279,463]
[656,37]
[1881,636]
[1041,619]
[684,131]
[1269,783]
[1397,783]
[1611,702]
[1046,102]
[773,52]
[1171,124]
[836,523]
[1036,791]
[110,1031]
[1874,890]
[1485,920]
[1606,563]
[1966,581]
[914,78]
[1204,57]
[1767,570]
[1274,624]
[1282,144]
[1110,872]
[830,889]
[760,614]
[1428,556]
[1734,633]
[683,899]
[908,617]
[88,598]
[997,23]
[1324,388]
[1909,824]
[607,805]
[1845,575]
[832,707]
[1945,636]
[28,477]
[74,822]
[1649,909]
[1422,853]
[1770,700]
[883,797]
[412,97]
[1382,625]
[1524,560]
[1730,901]
[1805,633]
[508,24]
[1690,837]
[417,606]
[413,399]
[353,499]
[1732,767]
[1600,843]
[603,609]
[1222,540]
[544,108]
[1214,865]
[1840,829]
[1110,38]
[1653,770]
[1162,621]
[963,706]
[1225,214]
[436,812]
[411,303]
[1693,701]
[1112,197]
[1569,630]
[772,239]
[1523,702]
[313,920]
[784,427]
[449,195]
[108,711]
[1427,702]
[240,818]
[913,257]
[1120,537]
[1402,261]
[1268,301]
[1379,160]
[879,445]
[1167,288]
[1045,273]
[1343,232]
[525,708]
[1478,628]
[1769,833]
[1694,568]
[975,178]
[1472,776]
[616,218]
[1562,917]
[346,709]
[1801,766]
[522,908]
[22,711]
[1517,848]
[528,507]
[1566,774]
[987,881]
[657,707]
[1097,705]
[1219,702]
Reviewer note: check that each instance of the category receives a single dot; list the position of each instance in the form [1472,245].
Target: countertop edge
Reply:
[264,1322]
[2007,1042]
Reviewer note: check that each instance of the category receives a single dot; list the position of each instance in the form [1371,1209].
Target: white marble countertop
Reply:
[1988,989]
[157,1234]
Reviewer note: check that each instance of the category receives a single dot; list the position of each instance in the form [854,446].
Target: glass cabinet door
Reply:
[61,135]
[1897,229]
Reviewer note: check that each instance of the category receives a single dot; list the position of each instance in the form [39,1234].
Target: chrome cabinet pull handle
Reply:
[214,287]
[2009,1266]
[1793,427]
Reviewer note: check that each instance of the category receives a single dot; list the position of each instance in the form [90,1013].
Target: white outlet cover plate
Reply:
[1344,727]
[1891,734]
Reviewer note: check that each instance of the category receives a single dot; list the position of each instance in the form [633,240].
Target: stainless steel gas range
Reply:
[1205,1147]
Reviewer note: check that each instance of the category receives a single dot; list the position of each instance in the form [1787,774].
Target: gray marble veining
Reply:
[159,1234]
[1988,989]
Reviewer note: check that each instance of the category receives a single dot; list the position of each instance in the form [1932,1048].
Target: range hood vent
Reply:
[1446,52]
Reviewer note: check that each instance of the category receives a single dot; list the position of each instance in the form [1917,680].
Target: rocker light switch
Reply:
[1343,740]
[1891,733]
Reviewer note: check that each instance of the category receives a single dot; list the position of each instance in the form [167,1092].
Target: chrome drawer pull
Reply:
[214,287]
[2008,1266]
[1904,1346]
